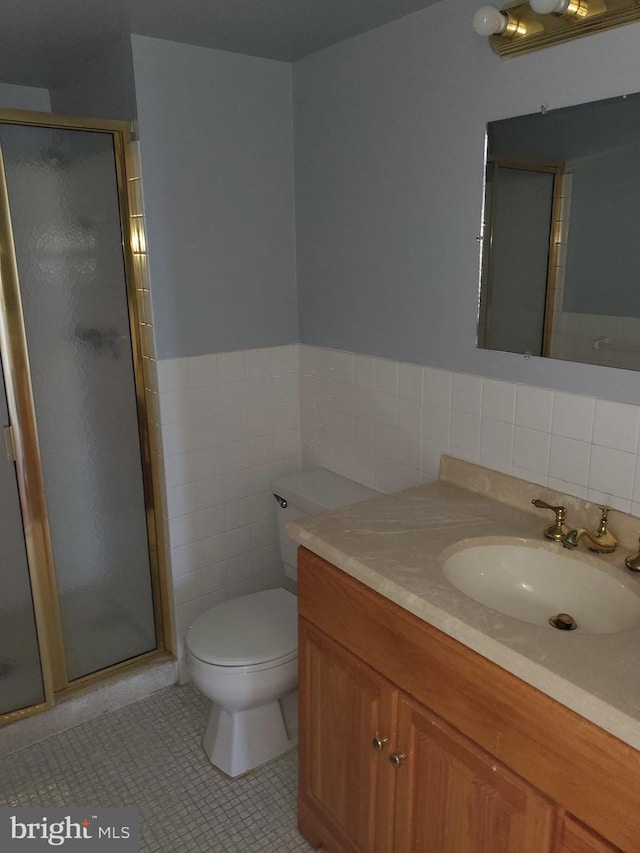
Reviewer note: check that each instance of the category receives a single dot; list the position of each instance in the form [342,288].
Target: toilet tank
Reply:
[307,493]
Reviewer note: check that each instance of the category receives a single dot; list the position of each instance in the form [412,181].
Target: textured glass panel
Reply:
[20,672]
[64,210]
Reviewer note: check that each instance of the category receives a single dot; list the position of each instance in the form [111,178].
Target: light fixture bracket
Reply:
[546,30]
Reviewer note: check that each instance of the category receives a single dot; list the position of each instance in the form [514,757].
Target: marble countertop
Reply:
[394,544]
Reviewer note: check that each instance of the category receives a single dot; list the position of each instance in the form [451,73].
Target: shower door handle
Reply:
[9,443]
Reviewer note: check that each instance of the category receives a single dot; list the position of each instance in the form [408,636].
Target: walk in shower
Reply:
[79,575]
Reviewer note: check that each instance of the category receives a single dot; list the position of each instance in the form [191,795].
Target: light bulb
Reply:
[549,7]
[489,21]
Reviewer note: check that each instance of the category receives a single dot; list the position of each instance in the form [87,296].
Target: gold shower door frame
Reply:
[23,427]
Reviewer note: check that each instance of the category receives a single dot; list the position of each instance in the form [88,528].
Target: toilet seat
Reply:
[256,631]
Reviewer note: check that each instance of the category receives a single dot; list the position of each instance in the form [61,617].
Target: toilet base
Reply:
[238,742]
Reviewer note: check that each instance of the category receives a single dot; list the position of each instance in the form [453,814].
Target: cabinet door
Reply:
[452,797]
[577,838]
[345,795]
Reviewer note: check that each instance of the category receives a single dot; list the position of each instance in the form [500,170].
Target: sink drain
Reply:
[563,622]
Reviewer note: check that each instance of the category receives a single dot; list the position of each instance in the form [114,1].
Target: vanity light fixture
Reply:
[489,21]
[570,8]
[522,26]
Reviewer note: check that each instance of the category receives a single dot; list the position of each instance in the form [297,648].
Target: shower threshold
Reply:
[79,704]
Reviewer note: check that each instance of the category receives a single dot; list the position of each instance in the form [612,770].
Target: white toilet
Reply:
[243,653]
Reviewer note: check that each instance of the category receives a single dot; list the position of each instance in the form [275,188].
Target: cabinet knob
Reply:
[396,758]
[378,743]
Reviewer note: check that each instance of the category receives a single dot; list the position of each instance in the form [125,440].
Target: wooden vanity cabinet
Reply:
[453,796]
[574,837]
[412,743]
[347,713]
[449,795]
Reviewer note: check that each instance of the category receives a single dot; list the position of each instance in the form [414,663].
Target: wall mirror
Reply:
[560,265]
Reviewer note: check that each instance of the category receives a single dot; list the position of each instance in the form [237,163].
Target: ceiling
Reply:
[44,42]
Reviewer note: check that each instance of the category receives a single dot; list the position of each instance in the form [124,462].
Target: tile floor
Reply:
[149,755]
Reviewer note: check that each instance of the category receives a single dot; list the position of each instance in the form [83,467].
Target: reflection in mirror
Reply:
[560,271]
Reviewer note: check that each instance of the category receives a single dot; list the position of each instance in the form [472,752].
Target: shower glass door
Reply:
[62,188]
[21,683]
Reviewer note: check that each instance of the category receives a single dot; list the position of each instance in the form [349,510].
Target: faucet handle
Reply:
[632,562]
[602,527]
[558,530]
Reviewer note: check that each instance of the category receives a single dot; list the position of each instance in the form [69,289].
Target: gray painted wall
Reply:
[104,89]
[389,140]
[217,165]
[24,98]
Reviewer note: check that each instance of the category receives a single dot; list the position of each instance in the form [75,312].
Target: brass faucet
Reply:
[602,540]
[558,530]
[632,562]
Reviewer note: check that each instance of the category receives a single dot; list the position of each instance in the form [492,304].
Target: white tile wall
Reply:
[230,424]
[607,340]
[387,425]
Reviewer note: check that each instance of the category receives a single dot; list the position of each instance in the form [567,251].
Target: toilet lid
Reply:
[247,630]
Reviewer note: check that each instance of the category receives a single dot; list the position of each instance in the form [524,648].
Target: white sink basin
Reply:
[533,581]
